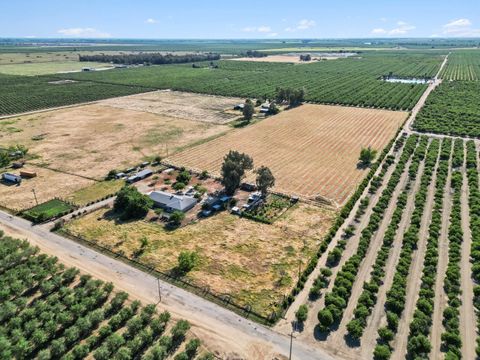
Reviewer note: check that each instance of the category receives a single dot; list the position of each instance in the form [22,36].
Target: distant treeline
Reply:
[255,54]
[149,58]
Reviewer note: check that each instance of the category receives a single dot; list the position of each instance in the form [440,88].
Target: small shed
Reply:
[11,178]
[28,174]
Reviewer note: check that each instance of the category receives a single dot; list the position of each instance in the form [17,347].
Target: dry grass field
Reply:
[48,184]
[312,150]
[93,139]
[204,108]
[86,142]
[256,263]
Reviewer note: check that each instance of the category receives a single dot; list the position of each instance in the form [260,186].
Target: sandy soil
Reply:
[257,263]
[294,59]
[183,105]
[303,148]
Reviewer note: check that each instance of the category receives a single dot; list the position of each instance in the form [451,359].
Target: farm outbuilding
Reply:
[171,202]
[11,178]
[140,175]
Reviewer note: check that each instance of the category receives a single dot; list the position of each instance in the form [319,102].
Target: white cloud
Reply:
[402,29]
[260,29]
[302,25]
[305,24]
[383,19]
[264,29]
[273,34]
[460,28]
[151,21]
[379,31]
[83,32]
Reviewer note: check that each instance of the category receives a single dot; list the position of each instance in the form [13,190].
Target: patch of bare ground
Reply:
[415,274]
[440,300]
[183,105]
[468,328]
[293,59]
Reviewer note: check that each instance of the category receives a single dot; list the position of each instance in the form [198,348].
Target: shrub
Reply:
[302,313]
[187,260]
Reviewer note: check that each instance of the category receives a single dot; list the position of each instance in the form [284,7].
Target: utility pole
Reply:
[35,196]
[291,344]
[159,291]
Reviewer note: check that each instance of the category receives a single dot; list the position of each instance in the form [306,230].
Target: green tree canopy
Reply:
[233,170]
[367,155]
[248,110]
[131,203]
[265,179]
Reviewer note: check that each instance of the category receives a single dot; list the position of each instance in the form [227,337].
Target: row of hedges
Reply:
[336,300]
[342,216]
[418,342]
[474,205]
[397,294]
[451,339]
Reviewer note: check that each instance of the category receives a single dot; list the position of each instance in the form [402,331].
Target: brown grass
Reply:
[93,139]
[48,184]
[257,263]
[204,108]
[294,59]
[312,150]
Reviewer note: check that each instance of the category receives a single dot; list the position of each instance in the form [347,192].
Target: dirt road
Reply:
[240,336]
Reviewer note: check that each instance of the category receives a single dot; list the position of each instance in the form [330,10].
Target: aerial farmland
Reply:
[282,198]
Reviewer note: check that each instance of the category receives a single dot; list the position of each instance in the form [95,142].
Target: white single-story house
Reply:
[171,202]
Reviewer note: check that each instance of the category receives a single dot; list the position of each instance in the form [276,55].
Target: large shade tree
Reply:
[233,170]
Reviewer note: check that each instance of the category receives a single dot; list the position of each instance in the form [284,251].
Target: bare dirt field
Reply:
[254,262]
[93,139]
[312,150]
[21,197]
[204,108]
[295,59]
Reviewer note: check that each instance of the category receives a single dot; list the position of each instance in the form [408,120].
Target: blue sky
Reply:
[242,19]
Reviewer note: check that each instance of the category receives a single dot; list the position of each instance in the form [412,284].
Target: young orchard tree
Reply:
[233,170]
[248,110]
[265,179]
[367,155]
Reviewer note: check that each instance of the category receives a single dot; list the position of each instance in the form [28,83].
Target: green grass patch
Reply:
[47,210]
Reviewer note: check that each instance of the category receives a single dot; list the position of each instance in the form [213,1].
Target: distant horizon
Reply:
[239,39]
[215,19]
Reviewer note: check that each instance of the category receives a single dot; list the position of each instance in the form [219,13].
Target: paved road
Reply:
[209,316]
